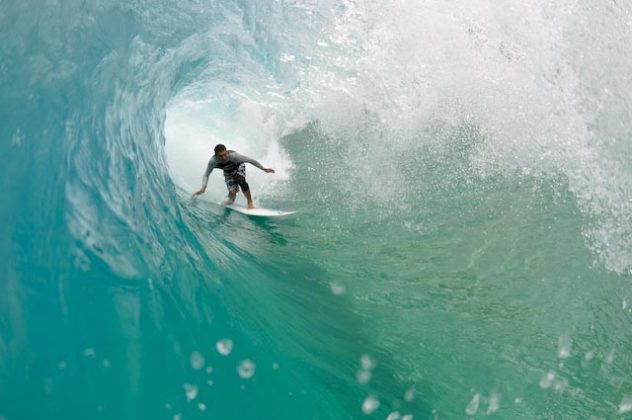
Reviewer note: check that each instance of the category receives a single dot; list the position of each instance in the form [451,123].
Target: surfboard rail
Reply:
[258,211]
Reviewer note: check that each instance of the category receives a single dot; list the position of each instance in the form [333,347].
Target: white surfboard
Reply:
[258,211]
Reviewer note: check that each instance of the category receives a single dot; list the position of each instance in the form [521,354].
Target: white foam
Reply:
[528,76]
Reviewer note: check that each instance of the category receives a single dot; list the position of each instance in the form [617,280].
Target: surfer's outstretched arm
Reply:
[209,168]
[239,158]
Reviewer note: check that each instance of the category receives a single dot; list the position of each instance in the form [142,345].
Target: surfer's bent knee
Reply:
[242,183]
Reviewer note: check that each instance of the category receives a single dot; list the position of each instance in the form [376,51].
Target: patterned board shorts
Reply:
[236,178]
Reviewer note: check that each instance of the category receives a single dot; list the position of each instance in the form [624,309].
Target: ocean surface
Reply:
[462,174]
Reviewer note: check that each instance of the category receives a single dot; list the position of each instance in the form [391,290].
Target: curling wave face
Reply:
[463,175]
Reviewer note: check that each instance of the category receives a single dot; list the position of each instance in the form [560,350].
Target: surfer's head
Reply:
[221,153]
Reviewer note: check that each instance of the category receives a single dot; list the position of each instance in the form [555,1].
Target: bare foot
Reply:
[251,206]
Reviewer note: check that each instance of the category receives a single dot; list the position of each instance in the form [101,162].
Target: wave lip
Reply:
[113,278]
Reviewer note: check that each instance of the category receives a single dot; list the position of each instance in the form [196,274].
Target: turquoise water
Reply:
[462,176]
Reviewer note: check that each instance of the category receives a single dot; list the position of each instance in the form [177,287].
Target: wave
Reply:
[420,142]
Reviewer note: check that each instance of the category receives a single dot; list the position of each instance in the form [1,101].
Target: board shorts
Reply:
[236,178]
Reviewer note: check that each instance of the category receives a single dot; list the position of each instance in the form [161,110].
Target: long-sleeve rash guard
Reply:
[234,160]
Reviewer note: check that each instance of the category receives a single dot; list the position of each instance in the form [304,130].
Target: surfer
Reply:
[234,166]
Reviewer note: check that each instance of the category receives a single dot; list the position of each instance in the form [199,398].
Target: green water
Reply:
[463,285]
[460,172]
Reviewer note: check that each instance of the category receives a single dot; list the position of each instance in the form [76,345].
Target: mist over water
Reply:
[463,180]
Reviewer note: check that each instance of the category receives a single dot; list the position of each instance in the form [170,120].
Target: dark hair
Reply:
[219,148]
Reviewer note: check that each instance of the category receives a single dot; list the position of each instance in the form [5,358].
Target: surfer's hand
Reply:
[201,191]
[269,170]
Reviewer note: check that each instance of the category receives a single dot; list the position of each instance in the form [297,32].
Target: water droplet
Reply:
[626,404]
[367,362]
[610,357]
[494,403]
[409,395]
[561,385]
[286,58]
[246,369]
[370,404]
[547,380]
[394,416]
[48,385]
[209,382]
[337,289]
[202,406]
[225,346]
[363,376]
[191,391]
[275,366]
[472,407]
[89,352]
[209,369]
[106,363]
[197,360]
[17,138]
[564,346]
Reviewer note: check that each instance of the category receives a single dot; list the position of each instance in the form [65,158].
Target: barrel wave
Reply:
[462,176]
